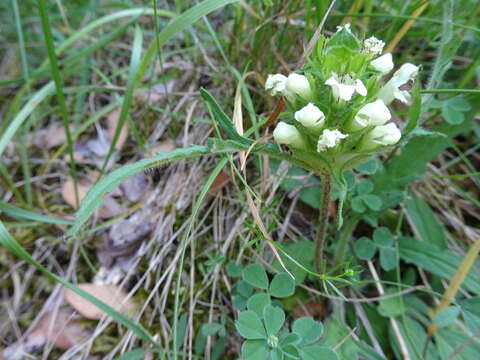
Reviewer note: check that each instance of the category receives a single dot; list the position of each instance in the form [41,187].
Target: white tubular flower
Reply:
[373,46]
[329,139]
[345,86]
[298,84]
[310,116]
[375,113]
[383,64]
[381,136]
[288,135]
[391,89]
[275,84]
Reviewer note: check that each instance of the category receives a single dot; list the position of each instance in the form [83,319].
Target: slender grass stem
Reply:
[345,236]
[326,180]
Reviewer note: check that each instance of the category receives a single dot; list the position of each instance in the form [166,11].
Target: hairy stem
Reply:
[326,180]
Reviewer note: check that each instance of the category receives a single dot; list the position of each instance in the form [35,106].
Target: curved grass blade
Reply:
[19,213]
[11,244]
[127,99]
[39,96]
[94,197]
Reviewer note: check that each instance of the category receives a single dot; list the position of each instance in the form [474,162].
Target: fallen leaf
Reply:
[110,208]
[135,187]
[219,183]
[62,329]
[68,192]
[163,146]
[50,137]
[112,121]
[111,295]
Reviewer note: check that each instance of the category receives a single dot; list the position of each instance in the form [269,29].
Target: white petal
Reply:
[310,116]
[288,134]
[360,88]
[383,64]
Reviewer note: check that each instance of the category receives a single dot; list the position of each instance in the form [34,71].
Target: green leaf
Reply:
[393,306]
[255,350]
[258,302]
[383,237]
[369,167]
[428,227]
[282,286]
[358,205]
[303,252]
[210,329]
[447,317]
[256,276]
[308,329]
[415,109]
[364,187]
[223,120]
[374,202]
[244,288]
[317,352]
[135,354]
[388,258]
[181,330]
[250,326]
[291,352]
[17,212]
[234,270]
[276,354]
[290,339]
[274,317]
[364,248]
[440,262]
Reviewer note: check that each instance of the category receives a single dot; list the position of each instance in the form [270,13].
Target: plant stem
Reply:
[345,236]
[326,180]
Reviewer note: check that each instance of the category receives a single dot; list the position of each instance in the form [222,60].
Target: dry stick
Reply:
[456,281]
[393,322]
[408,24]
[323,212]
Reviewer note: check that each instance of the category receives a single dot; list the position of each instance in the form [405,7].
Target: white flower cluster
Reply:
[370,121]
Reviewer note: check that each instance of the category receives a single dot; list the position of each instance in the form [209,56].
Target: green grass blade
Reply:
[23,114]
[11,244]
[47,33]
[94,197]
[127,99]
[179,24]
[19,213]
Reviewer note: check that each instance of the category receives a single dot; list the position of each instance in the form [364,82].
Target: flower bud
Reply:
[375,113]
[299,85]
[288,135]
[329,139]
[343,87]
[392,90]
[381,136]
[310,116]
[275,84]
[383,64]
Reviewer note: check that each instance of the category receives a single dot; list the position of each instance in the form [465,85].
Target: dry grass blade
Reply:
[408,24]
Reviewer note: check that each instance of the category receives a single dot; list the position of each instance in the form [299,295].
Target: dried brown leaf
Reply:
[68,192]
[111,295]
